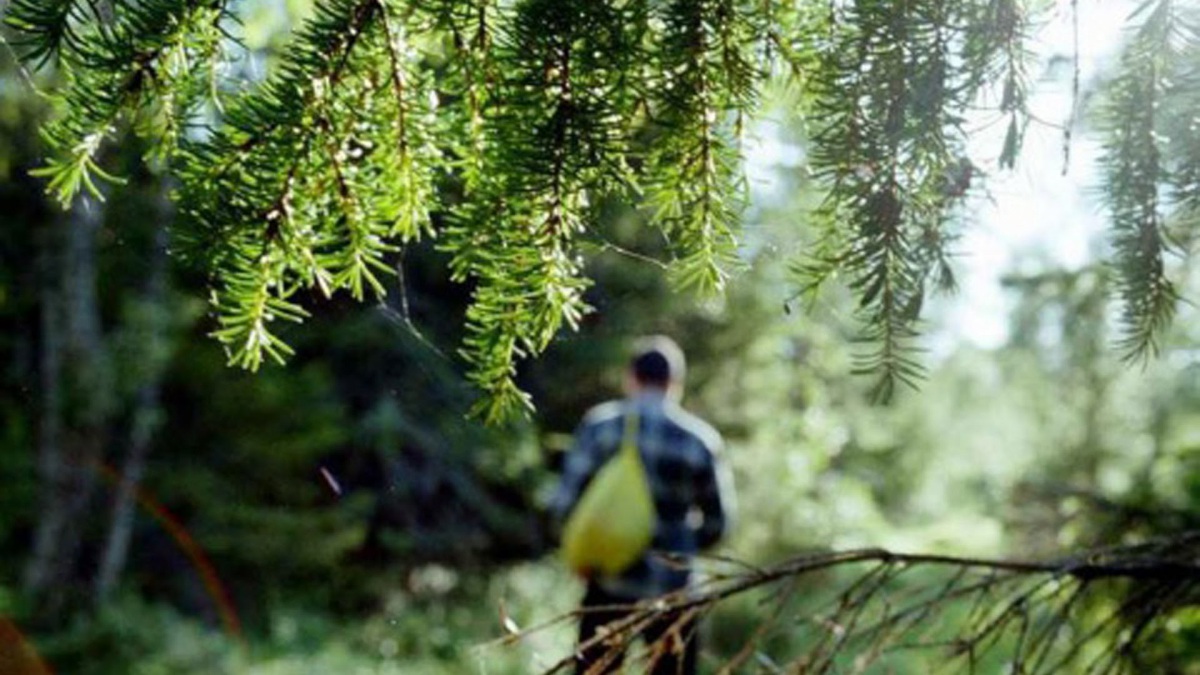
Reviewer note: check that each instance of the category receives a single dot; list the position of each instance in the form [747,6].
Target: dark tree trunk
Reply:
[75,403]
[49,422]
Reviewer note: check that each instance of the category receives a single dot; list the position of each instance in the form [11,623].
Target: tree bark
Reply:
[76,401]
[49,423]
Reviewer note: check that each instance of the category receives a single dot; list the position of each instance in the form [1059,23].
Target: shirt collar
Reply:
[653,398]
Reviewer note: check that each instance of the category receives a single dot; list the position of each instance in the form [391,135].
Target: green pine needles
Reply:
[1147,146]
[893,91]
[148,62]
[496,126]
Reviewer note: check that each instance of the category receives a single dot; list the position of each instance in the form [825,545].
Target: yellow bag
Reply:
[613,523]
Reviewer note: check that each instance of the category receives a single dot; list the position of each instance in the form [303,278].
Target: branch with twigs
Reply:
[868,609]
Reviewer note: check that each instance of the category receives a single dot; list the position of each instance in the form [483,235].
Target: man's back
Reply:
[680,453]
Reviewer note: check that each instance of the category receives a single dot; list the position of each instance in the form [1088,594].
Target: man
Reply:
[680,455]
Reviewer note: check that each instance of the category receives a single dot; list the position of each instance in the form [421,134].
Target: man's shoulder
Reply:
[696,427]
[604,412]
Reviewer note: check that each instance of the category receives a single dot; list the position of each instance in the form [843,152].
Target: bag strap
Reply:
[629,438]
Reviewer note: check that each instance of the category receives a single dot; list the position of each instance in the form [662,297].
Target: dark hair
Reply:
[657,362]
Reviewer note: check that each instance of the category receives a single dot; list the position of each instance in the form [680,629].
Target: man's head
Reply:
[657,364]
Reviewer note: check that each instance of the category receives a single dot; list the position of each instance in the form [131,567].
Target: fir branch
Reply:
[889,144]
[1133,168]
[510,119]
[278,230]
[145,64]
[693,185]
[994,35]
[245,325]
[1181,146]
[45,28]
[791,33]
[559,133]
[471,75]
[860,151]
[411,166]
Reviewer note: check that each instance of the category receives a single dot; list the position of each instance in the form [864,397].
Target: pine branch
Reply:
[889,144]
[285,230]
[558,130]
[45,28]
[1133,168]
[872,607]
[147,63]
[694,188]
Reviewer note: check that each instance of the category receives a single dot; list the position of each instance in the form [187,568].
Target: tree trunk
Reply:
[151,320]
[49,423]
[76,400]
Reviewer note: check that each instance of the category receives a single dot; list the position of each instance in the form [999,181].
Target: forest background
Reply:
[344,513]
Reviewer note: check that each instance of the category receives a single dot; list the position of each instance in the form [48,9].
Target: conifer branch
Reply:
[872,607]
[411,166]
[693,187]
[555,123]
[46,28]
[1133,164]
[144,64]
[509,121]
[995,33]
[274,234]
[889,144]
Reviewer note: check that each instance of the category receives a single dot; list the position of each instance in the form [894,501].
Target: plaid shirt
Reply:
[689,486]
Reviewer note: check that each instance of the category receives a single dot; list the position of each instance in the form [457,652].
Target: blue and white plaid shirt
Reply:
[690,487]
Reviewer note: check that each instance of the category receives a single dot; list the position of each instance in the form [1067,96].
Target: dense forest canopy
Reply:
[499,128]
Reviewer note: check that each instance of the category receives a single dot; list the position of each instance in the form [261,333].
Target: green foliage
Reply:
[1135,169]
[816,466]
[48,28]
[705,86]
[497,127]
[556,122]
[892,100]
[435,626]
[149,61]
[310,216]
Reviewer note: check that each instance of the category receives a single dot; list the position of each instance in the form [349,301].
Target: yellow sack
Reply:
[613,523]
